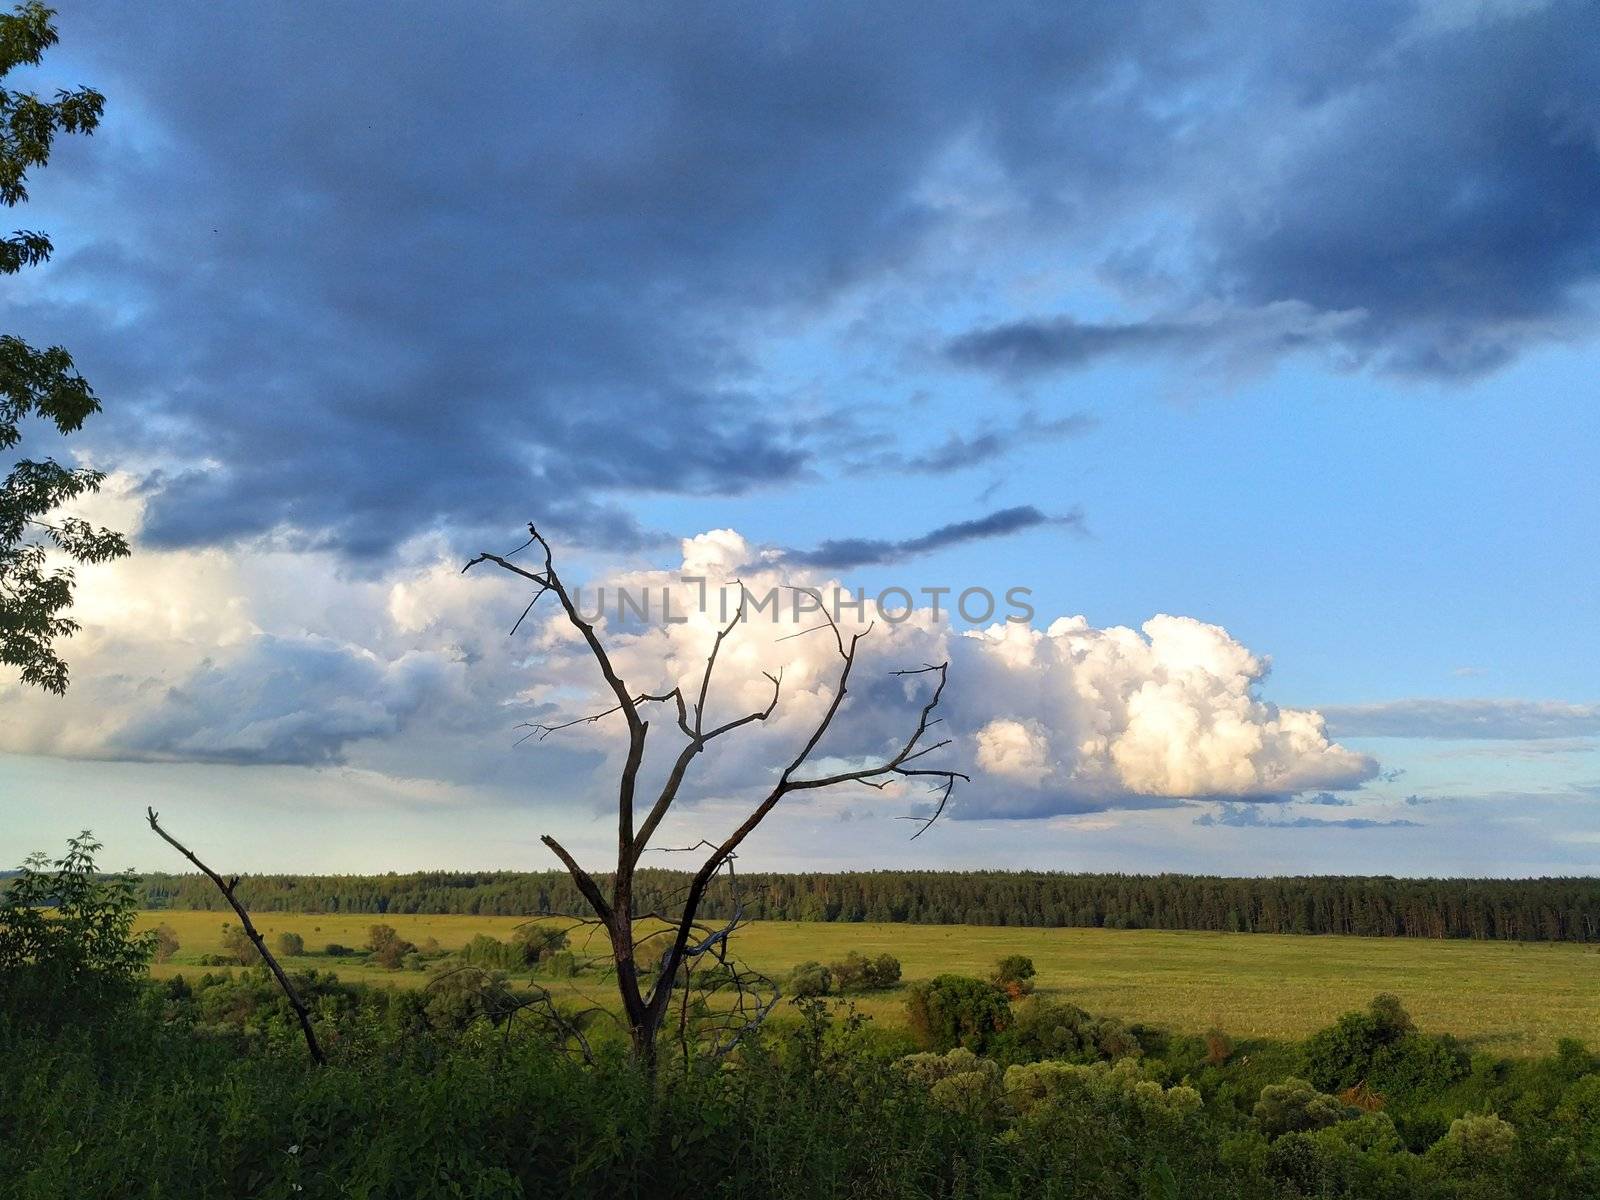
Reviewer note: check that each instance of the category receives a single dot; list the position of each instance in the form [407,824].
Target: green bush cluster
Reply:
[533,947]
[853,974]
[1382,1050]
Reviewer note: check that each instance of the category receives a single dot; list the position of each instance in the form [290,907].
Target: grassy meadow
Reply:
[1502,997]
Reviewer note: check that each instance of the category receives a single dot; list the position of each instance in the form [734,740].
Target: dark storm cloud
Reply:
[1497,719]
[368,271]
[842,554]
[1420,186]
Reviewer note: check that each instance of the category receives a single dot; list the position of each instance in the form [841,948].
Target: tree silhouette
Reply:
[690,943]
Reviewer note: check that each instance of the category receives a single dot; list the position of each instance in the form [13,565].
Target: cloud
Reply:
[1030,347]
[1502,719]
[564,281]
[1014,750]
[1249,816]
[844,553]
[1329,798]
[960,451]
[1361,199]
[412,677]
[1068,719]
[300,701]
[208,656]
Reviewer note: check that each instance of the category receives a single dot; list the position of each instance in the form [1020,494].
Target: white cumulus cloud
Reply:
[256,657]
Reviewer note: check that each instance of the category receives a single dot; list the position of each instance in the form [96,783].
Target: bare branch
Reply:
[585,882]
[226,887]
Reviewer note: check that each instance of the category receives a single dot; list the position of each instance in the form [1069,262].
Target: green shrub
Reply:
[1294,1106]
[958,1080]
[237,946]
[165,944]
[858,973]
[493,954]
[1030,1086]
[1383,1050]
[1475,1145]
[66,933]
[559,964]
[955,1010]
[291,945]
[1040,1028]
[1013,975]
[388,948]
[808,980]
[536,942]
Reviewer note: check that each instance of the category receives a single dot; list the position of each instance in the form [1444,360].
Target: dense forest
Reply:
[1370,906]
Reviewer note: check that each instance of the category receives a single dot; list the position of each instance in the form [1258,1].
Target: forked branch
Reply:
[690,941]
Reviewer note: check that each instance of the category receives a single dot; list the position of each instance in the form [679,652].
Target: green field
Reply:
[1502,997]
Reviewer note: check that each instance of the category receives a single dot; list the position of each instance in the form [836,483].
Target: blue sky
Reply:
[1283,328]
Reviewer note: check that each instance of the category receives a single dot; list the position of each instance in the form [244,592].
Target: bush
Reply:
[1013,975]
[810,979]
[955,1010]
[335,950]
[66,932]
[291,945]
[1294,1106]
[561,964]
[1382,1049]
[1475,1145]
[1032,1086]
[237,946]
[958,1080]
[388,948]
[858,973]
[165,944]
[493,954]
[1042,1028]
[537,942]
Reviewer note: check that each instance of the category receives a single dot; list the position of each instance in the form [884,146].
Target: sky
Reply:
[1255,353]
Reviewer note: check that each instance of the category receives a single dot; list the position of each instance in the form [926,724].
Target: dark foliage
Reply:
[953,1010]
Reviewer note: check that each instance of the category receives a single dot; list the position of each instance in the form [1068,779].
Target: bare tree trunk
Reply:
[645,1011]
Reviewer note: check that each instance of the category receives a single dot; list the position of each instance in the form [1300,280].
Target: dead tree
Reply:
[227,887]
[646,1007]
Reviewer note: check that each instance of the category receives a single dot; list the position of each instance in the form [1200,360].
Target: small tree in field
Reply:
[388,948]
[1013,975]
[236,944]
[646,996]
[166,943]
[291,945]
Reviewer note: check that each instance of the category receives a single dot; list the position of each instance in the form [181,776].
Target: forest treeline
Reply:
[1553,909]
